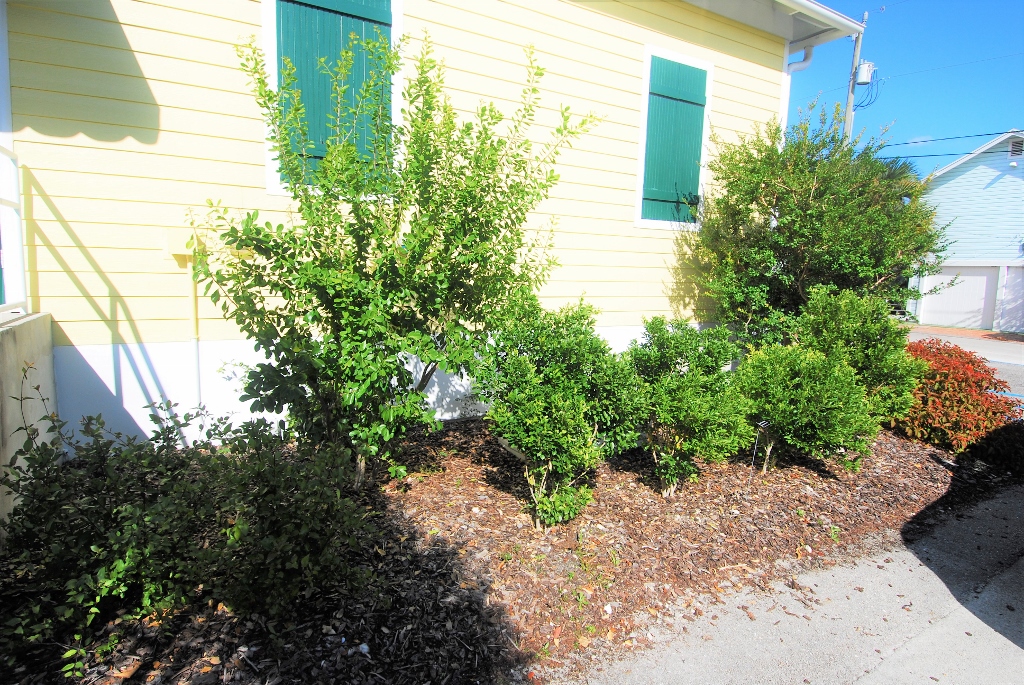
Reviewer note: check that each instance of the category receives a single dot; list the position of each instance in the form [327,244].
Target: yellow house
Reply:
[124,115]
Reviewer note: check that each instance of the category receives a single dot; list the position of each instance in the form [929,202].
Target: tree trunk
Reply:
[767,455]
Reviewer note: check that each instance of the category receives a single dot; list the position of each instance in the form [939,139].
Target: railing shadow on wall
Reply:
[113,312]
[112,99]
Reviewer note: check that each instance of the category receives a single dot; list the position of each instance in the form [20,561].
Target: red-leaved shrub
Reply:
[956,403]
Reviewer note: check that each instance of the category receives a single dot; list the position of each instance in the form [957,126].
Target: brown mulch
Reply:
[463,589]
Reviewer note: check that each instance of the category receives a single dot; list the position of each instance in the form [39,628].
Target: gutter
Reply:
[825,15]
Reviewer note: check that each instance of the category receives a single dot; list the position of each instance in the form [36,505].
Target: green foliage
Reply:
[563,504]
[284,525]
[693,413]
[106,525]
[669,347]
[813,404]
[862,332]
[406,250]
[808,208]
[558,397]
[106,529]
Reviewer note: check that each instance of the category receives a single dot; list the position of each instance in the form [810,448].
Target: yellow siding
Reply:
[130,113]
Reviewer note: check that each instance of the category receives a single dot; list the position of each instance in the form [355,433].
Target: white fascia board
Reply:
[985,146]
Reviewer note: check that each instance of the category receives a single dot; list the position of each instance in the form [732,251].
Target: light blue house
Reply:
[981,198]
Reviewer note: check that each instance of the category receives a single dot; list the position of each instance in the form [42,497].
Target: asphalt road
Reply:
[948,608]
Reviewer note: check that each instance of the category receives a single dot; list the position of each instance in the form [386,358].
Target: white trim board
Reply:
[645,95]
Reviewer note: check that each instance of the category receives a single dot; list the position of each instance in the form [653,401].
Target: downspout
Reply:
[195,339]
[794,67]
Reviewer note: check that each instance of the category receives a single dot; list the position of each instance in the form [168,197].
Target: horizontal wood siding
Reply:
[982,201]
[129,114]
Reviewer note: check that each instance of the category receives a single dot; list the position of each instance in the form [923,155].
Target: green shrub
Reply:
[812,404]
[408,237]
[694,417]
[283,523]
[559,398]
[673,347]
[862,332]
[693,412]
[804,207]
[111,527]
[107,525]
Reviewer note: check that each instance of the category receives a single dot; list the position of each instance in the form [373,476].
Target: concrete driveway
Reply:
[948,608]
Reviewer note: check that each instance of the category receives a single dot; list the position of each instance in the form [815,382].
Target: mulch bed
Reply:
[465,590]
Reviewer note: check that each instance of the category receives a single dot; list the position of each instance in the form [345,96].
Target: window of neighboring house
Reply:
[313,29]
[676,102]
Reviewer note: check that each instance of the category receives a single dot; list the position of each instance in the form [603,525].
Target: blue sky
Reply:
[918,35]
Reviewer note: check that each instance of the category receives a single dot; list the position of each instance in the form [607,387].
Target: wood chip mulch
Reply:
[464,589]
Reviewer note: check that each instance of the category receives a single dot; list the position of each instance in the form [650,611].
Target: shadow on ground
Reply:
[979,554]
[413,614]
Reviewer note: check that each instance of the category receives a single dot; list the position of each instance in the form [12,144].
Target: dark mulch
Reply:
[465,590]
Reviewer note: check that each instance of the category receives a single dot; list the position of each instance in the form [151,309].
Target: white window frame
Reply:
[268,21]
[651,51]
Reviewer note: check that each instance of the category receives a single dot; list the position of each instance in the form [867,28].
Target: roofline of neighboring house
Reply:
[1012,133]
[802,23]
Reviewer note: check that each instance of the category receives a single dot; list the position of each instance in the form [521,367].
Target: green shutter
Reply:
[314,29]
[675,132]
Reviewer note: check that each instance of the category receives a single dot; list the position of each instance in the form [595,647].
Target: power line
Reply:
[948,66]
[936,140]
[891,4]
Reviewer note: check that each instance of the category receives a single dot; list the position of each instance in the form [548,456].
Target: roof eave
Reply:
[1014,133]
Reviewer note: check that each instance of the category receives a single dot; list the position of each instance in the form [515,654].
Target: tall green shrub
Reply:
[560,399]
[405,250]
[803,209]
[862,332]
[693,411]
[812,404]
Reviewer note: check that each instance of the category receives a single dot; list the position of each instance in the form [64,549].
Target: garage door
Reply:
[971,303]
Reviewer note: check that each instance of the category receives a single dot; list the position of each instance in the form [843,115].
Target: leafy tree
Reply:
[812,404]
[862,332]
[802,209]
[404,249]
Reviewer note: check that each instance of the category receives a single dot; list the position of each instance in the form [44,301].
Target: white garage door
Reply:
[971,303]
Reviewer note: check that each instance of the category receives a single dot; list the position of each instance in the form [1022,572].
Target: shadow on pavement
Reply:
[978,552]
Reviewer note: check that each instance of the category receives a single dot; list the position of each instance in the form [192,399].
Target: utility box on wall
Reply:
[25,339]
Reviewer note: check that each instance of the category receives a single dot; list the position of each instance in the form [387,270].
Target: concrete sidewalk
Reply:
[948,608]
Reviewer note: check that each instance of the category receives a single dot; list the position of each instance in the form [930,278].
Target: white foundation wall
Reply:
[119,381]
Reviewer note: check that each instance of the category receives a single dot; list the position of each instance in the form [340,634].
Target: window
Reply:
[314,29]
[676,103]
